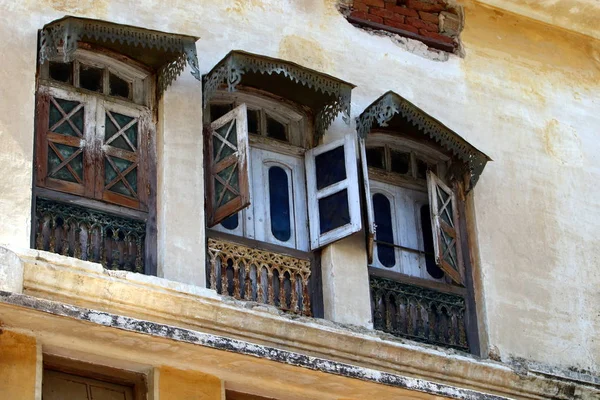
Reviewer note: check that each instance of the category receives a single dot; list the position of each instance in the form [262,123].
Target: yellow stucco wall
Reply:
[176,384]
[18,366]
[526,93]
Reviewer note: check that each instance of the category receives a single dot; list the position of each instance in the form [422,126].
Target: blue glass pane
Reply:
[432,268]
[334,211]
[230,223]
[279,201]
[331,167]
[385,230]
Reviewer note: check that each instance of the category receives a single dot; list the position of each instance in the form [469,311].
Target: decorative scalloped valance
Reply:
[326,95]
[166,52]
[386,108]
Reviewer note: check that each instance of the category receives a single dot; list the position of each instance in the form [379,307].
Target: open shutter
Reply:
[65,136]
[123,165]
[332,188]
[445,228]
[370,228]
[226,165]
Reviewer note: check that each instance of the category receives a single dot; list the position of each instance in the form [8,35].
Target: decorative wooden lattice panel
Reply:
[418,313]
[117,243]
[261,276]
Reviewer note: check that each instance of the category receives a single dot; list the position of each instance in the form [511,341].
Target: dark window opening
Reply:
[90,78]
[400,162]
[376,157]
[432,268]
[61,72]
[334,211]
[385,232]
[276,130]
[218,110]
[330,167]
[119,87]
[279,204]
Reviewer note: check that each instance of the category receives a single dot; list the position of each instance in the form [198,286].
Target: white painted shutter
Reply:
[445,228]
[332,188]
[370,228]
[226,169]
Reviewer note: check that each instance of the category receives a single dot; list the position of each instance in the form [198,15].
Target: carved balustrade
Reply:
[258,275]
[418,313]
[115,242]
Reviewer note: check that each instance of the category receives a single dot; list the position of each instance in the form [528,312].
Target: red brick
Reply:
[360,6]
[400,25]
[396,18]
[425,6]
[366,17]
[435,35]
[401,10]
[374,3]
[420,24]
[429,17]
[381,12]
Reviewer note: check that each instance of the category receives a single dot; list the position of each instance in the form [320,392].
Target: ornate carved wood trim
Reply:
[385,108]
[332,95]
[175,50]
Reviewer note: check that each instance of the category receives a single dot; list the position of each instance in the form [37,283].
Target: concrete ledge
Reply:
[87,285]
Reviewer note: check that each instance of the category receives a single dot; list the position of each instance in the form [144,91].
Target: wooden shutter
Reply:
[64,144]
[226,165]
[122,139]
[60,386]
[370,218]
[333,195]
[445,228]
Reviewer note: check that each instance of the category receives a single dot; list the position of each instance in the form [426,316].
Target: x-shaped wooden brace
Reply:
[66,117]
[121,131]
[65,162]
[449,241]
[224,140]
[121,176]
[227,185]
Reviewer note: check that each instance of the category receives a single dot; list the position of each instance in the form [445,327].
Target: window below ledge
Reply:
[436,23]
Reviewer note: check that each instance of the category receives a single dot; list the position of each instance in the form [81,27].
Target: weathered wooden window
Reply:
[95,162]
[445,227]
[69,379]
[332,187]
[92,147]
[226,157]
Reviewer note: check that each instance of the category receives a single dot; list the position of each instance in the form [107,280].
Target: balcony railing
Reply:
[418,313]
[87,234]
[266,277]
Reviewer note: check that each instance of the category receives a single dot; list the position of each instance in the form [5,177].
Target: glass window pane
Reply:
[55,159]
[276,129]
[334,211]
[330,167]
[90,78]
[111,130]
[385,232]
[376,157]
[279,204]
[432,268]
[73,125]
[231,223]
[400,162]
[119,87]
[254,122]
[62,72]
[230,176]
[223,149]
[218,110]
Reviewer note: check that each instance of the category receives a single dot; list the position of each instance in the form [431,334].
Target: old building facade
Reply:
[315,199]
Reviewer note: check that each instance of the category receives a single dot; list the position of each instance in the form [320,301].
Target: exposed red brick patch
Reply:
[400,25]
[429,17]
[429,6]
[367,17]
[420,24]
[376,3]
[401,10]
[386,14]
[436,36]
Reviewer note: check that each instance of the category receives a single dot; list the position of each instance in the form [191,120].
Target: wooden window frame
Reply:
[137,381]
[350,183]
[144,101]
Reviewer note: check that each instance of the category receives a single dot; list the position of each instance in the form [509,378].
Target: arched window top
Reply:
[165,53]
[271,121]
[395,114]
[325,95]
